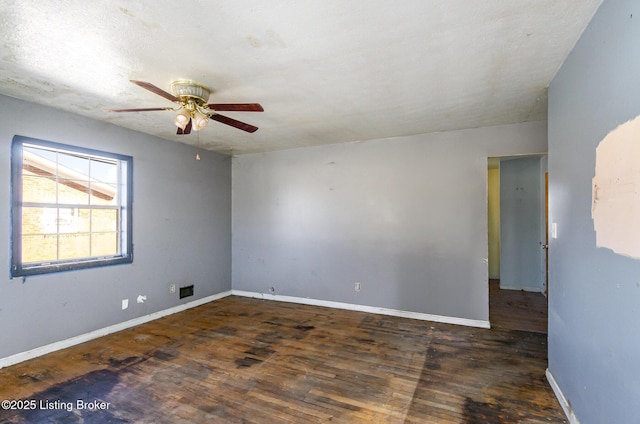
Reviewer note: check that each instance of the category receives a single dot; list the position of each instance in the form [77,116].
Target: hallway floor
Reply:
[517,309]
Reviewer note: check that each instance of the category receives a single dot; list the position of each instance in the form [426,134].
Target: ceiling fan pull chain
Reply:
[198,145]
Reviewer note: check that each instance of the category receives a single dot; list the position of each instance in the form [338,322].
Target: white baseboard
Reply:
[43,350]
[364,308]
[527,289]
[566,407]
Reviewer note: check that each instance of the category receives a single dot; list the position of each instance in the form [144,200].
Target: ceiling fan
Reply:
[193,110]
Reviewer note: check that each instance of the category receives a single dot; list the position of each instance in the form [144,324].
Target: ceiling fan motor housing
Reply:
[187,90]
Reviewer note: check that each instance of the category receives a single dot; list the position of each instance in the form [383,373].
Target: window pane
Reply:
[41,248]
[70,164]
[38,189]
[48,155]
[105,172]
[103,244]
[104,194]
[73,192]
[74,246]
[33,222]
[68,220]
[41,220]
[104,220]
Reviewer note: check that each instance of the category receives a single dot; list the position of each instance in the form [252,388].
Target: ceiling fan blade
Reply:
[156,90]
[229,121]
[144,109]
[236,107]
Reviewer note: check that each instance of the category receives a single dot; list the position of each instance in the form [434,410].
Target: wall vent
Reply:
[186,291]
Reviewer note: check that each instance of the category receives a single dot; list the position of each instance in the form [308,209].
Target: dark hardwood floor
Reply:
[240,360]
[516,309]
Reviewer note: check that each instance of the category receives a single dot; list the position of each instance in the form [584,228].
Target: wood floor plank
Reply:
[239,360]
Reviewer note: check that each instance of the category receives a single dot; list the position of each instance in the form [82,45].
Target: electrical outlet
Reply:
[172,288]
[357,286]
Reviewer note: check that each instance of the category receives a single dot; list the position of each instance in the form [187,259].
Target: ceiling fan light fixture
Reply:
[182,119]
[200,120]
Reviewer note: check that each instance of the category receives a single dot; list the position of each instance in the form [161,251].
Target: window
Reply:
[71,207]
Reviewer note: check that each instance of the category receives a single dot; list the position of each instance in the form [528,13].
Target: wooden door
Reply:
[546,234]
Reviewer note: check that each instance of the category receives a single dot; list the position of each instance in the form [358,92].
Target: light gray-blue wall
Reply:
[181,233]
[594,294]
[522,223]
[405,217]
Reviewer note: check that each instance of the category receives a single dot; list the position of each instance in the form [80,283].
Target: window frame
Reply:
[125,209]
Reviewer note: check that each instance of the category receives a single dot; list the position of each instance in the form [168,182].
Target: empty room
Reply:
[320,211]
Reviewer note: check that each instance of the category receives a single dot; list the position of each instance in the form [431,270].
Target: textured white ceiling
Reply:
[325,71]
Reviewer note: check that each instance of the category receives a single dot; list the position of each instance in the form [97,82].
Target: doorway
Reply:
[517,193]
